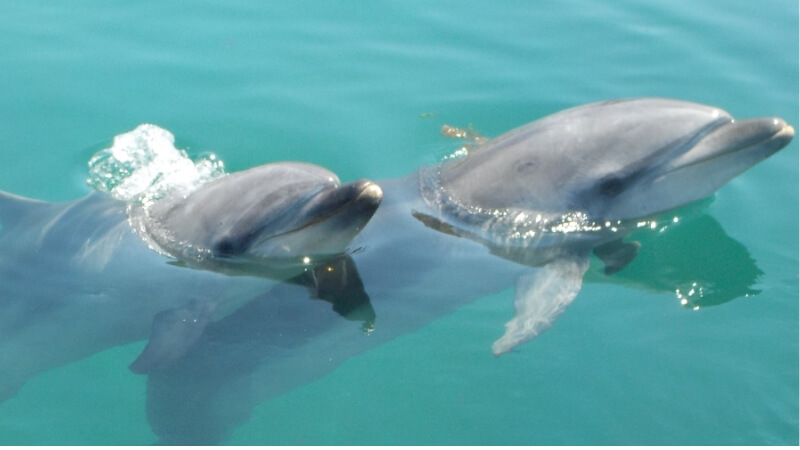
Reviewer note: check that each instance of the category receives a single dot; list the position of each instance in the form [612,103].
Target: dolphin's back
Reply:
[53,252]
[14,208]
[32,225]
[44,244]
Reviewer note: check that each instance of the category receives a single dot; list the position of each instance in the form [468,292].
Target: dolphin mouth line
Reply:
[785,130]
[370,190]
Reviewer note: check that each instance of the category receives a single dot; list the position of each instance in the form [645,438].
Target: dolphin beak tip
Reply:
[371,191]
[785,133]
[789,131]
[782,127]
[376,191]
[777,134]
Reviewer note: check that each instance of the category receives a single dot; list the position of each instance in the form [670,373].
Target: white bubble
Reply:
[143,165]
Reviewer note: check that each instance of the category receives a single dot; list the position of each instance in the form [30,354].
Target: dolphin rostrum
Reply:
[79,277]
[527,209]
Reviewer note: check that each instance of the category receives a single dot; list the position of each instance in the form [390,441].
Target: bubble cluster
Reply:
[143,165]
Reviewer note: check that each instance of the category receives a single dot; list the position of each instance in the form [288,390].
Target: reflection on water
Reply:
[718,269]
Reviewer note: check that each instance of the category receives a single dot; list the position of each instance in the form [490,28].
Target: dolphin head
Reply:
[277,212]
[614,160]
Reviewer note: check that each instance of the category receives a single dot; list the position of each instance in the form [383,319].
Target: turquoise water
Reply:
[364,90]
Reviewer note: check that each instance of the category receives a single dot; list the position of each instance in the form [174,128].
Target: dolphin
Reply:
[549,193]
[525,210]
[79,277]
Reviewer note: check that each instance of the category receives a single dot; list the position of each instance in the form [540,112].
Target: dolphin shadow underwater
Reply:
[526,209]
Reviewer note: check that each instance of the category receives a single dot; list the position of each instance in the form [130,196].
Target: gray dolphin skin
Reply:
[614,160]
[272,217]
[79,277]
[527,209]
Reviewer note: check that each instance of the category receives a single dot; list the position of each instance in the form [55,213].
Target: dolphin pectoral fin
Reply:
[339,283]
[436,224]
[540,298]
[174,332]
[616,255]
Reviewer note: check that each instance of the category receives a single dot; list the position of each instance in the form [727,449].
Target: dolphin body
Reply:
[551,192]
[526,209]
[77,278]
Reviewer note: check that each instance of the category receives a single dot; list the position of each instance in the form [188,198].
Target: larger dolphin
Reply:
[549,193]
[526,209]
[79,277]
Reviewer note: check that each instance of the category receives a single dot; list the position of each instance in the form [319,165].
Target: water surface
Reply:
[364,90]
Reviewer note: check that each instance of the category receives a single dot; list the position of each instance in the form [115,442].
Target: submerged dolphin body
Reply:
[79,277]
[526,209]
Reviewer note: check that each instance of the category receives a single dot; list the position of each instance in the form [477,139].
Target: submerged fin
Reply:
[174,332]
[339,283]
[616,255]
[447,228]
[540,298]
[436,224]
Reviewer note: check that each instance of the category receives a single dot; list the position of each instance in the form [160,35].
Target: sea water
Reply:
[364,90]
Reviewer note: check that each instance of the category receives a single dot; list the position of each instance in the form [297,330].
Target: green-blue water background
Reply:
[363,89]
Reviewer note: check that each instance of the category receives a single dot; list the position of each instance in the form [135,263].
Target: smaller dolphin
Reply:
[235,226]
[273,217]
[79,277]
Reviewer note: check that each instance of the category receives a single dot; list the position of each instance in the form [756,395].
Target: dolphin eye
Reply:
[611,187]
[228,246]
[524,165]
